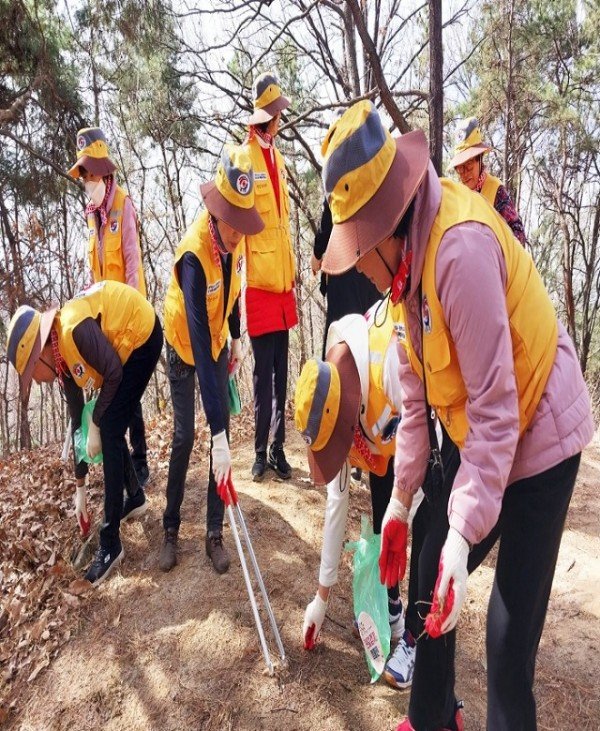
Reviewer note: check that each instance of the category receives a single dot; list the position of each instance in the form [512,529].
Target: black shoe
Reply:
[217,552]
[168,551]
[134,507]
[356,475]
[104,563]
[278,462]
[259,467]
[143,475]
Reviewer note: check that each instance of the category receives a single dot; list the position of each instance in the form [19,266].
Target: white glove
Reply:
[221,457]
[93,445]
[314,616]
[455,554]
[81,511]
[235,356]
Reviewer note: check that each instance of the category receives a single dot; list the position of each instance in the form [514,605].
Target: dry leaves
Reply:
[39,607]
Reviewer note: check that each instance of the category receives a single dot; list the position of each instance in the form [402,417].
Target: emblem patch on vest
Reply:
[426,315]
[213,288]
[400,329]
[239,264]
[114,227]
[80,142]
[91,232]
[78,370]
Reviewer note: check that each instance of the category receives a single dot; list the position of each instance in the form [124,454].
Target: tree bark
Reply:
[436,85]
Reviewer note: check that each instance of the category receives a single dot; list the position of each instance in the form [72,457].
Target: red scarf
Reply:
[256,132]
[218,249]
[363,448]
[101,209]
[59,362]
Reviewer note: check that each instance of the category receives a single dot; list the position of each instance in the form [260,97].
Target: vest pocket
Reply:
[445,385]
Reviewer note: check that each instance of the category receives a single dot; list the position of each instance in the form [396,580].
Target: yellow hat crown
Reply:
[358,152]
[266,90]
[22,332]
[317,402]
[469,135]
[235,177]
[92,143]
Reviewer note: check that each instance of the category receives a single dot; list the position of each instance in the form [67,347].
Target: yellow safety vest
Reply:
[125,317]
[490,188]
[113,264]
[197,240]
[270,263]
[380,412]
[533,324]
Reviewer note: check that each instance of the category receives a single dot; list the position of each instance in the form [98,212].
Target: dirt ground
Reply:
[179,651]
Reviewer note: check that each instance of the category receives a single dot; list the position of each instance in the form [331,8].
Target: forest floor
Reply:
[179,651]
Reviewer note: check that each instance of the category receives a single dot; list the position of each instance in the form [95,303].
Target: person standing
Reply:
[109,338]
[113,246]
[270,298]
[507,389]
[201,311]
[468,163]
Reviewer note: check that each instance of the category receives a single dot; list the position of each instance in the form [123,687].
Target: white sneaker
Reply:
[399,668]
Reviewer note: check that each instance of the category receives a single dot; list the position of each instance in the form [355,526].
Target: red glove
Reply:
[439,609]
[394,534]
[226,491]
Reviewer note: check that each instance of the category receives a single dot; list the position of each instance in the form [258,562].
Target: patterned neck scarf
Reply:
[481,179]
[59,362]
[363,448]
[264,136]
[218,248]
[101,209]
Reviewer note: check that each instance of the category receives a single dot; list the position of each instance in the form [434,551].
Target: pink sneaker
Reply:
[458,720]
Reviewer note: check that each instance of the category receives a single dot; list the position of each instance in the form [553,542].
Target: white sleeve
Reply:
[336,512]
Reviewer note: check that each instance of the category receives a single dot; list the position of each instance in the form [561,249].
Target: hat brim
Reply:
[327,462]
[246,221]
[266,114]
[379,217]
[469,154]
[47,318]
[95,165]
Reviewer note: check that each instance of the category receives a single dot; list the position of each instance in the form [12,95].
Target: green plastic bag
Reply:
[81,434]
[235,404]
[370,599]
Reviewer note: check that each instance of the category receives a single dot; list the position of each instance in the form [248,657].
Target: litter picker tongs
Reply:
[229,496]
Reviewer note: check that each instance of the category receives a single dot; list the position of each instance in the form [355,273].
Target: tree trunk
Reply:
[436,85]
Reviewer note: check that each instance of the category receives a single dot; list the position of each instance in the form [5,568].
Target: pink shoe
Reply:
[458,719]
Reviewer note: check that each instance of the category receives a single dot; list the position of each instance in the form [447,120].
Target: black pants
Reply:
[270,379]
[381,491]
[182,380]
[137,439]
[118,468]
[529,528]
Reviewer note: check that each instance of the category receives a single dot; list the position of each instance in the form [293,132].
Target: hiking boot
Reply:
[104,563]
[278,462]
[457,723]
[168,550]
[259,467]
[399,668]
[217,552]
[134,506]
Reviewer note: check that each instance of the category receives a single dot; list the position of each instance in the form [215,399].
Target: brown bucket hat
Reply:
[230,196]
[268,99]
[370,179]
[327,402]
[471,143]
